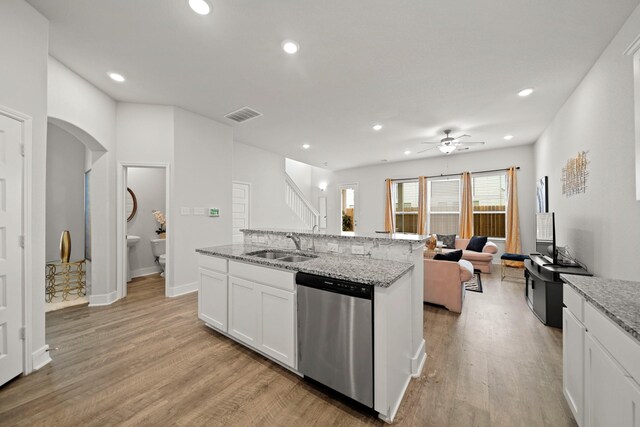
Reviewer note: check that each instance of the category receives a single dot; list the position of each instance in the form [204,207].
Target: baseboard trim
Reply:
[147,271]
[418,360]
[176,291]
[396,405]
[103,299]
[40,357]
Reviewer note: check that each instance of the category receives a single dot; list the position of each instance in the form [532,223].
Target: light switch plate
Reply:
[332,247]
[357,250]
[185,211]
[198,211]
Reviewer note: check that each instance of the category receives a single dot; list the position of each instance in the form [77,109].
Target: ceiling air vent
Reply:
[243,114]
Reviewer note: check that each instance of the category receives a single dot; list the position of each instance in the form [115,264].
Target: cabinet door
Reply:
[212,298]
[277,324]
[243,311]
[573,363]
[611,399]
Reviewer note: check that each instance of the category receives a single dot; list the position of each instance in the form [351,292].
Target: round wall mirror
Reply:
[131,204]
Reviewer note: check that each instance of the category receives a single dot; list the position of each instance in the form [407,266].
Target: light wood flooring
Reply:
[148,360]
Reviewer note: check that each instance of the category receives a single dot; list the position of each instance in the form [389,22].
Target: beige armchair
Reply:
[444,282]
[480,260]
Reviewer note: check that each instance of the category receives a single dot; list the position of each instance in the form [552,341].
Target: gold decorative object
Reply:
[574,175]
[65,246]
[67,278]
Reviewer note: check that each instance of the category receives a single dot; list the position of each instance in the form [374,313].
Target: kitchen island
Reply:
[252,299]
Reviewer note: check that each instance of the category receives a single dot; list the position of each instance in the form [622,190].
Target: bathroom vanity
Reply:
[249,293]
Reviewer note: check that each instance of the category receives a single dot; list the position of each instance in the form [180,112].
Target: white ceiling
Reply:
[415,66]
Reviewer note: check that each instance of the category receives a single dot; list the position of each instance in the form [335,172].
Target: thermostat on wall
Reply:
[214,212]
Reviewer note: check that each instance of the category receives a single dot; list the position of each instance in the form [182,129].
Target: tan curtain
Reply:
[388,209]
[512,243]
[422,204]
[466,209]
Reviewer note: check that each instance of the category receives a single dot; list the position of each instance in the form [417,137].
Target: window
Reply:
[443,206]
[489,205]
[406,206]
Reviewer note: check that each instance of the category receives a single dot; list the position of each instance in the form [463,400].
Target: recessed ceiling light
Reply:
[383,160]
[116,77]
[525,92]
[508,137]
[377,127]
[407,152]
[290,46]
[306,146]
[201,7]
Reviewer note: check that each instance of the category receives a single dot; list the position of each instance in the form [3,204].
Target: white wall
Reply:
[90,115]
[144,133]
[600,226]
[148,184]
[264,170]
[65,192]
[203,161]
[24,41]
[372,191]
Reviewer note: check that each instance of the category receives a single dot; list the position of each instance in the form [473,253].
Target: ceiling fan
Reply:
[449,144]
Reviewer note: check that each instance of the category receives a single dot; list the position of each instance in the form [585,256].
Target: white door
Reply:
[11,254]
[241,194]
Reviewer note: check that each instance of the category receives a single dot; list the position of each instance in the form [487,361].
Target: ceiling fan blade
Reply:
[462,136]
[466,143]
[431,142]
[428,149]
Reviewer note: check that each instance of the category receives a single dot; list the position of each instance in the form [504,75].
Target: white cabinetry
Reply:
[600,367]
[212,293]
[253,304]
[573,363]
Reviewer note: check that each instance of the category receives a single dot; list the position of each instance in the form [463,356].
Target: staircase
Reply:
[299,204]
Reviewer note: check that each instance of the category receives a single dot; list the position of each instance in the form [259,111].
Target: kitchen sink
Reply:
[282,256]
[297,258]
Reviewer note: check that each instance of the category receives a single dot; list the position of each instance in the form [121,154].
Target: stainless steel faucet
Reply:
[313,237]
[296,240]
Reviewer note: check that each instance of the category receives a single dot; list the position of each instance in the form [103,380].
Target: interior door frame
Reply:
[356,203]
[248,184]
[121,226]
[26,123]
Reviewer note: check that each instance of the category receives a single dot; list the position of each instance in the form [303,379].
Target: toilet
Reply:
[158,247]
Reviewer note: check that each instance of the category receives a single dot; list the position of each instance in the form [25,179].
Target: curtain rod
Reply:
[454,174]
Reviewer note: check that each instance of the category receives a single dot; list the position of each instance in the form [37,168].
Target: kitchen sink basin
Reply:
[270,254]
[281,256]
[297,258]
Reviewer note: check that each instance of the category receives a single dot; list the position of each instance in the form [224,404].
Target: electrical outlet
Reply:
[332,247]
[357,249]
[185,211]
[261,239]
[254,238]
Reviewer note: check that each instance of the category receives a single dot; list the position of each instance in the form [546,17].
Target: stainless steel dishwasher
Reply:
[335,335]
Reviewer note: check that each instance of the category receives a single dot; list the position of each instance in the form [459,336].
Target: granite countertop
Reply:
[360,269]
[394,237]
[617,299]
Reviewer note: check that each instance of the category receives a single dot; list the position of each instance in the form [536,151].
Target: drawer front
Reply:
[213,263]
[622,347]
[574,302]
[280,279]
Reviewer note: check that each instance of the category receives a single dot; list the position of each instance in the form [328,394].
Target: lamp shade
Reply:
[447,149]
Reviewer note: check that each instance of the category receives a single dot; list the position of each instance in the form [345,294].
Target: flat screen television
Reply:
[546,236]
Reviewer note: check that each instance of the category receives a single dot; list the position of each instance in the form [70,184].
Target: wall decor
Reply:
[87,216]
[574,175]
[542,195]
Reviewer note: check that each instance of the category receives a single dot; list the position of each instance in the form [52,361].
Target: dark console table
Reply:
[543,291]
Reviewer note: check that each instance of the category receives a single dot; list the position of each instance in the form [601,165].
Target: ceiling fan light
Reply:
[447,149]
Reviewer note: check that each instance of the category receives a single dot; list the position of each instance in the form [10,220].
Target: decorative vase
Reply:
[162,236]
[65,246]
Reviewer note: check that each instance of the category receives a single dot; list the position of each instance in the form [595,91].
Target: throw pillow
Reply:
[477,243]
[448,240]
[454,256]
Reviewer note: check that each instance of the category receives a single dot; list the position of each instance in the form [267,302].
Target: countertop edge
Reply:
[383,236]
[635,334]
[300,268]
